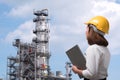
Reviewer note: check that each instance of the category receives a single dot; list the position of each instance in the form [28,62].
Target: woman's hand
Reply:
[76,70]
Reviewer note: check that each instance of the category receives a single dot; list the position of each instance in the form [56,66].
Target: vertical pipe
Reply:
[35,64]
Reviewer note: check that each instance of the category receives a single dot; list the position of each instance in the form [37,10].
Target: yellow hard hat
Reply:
[100,22]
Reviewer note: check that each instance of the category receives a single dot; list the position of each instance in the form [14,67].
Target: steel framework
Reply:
[32,59]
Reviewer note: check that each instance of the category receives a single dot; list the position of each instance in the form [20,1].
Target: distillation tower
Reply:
[32,59]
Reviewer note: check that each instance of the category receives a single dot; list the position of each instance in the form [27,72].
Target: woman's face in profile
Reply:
[87,30]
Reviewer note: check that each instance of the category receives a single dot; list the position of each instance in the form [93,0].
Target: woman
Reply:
[97,54]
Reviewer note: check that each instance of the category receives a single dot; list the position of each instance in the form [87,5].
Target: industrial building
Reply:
[31,61]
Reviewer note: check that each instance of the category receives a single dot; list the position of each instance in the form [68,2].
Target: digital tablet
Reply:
[76,57]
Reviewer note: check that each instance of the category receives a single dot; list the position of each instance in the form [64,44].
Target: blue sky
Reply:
[67,28]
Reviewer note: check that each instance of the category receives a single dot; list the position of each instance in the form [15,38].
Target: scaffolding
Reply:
[32,59]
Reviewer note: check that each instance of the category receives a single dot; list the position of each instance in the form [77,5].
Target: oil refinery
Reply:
[31,61]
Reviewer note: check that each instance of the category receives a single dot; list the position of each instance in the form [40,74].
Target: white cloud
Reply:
[67,19]
[23,32]
[21,11]
[14,3]
[108,9]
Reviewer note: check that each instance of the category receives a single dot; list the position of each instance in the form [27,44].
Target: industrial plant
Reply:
[31,61]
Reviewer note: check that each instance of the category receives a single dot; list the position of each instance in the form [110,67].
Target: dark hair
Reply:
[95,38]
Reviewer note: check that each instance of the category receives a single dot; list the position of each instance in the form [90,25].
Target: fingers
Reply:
[74,68]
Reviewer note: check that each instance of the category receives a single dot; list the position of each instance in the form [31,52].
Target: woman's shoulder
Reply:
[93,49]
[94,46]
[97,48]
